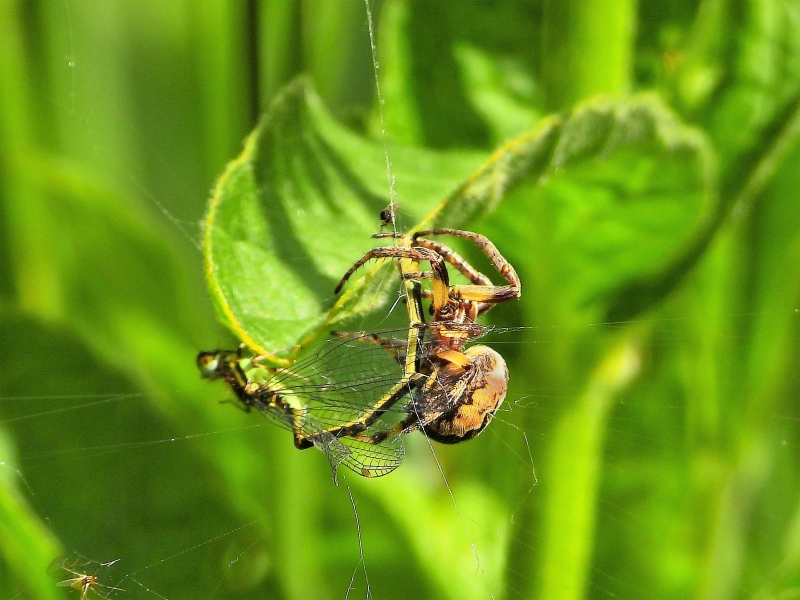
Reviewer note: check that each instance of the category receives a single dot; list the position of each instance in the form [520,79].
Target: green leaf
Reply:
[296,209]
[605,132]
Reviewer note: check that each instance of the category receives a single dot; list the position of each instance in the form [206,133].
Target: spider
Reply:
[329,400]
[463,388]
[80,581]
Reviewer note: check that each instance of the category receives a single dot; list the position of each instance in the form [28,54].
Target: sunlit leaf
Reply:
[607,193]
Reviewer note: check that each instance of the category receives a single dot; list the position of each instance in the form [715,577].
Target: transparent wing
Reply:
[338,383]
[369,459]
[357,381]
[365,458]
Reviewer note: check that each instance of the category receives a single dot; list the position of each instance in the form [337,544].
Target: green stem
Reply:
[586,49]
[279,47]
[226,96]
[30,247]
[573,474]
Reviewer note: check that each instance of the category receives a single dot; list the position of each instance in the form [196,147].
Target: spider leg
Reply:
[482,291]
[398,252]
[441,278]
[463,267]
[447,253]
[489,249]
[455,259]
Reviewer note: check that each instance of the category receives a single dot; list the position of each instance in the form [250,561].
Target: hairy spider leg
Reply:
[448,313]
[465,303]
[454,308]
[482,291]
[408,257]
[479,292]
[449,255]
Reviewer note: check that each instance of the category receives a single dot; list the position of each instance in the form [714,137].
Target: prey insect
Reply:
[314,397]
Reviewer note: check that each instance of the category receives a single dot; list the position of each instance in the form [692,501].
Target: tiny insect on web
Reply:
[338,398]
[79,579]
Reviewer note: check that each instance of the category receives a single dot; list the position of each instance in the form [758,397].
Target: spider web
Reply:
[113,477]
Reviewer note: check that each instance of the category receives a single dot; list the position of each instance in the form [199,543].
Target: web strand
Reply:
[384,134]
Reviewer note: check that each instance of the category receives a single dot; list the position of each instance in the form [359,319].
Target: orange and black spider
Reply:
[463,388]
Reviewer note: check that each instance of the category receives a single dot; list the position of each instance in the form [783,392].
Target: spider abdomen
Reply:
[475,395]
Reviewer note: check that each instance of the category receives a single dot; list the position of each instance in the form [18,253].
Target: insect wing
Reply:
[365,458]
[339,384]
[373,460]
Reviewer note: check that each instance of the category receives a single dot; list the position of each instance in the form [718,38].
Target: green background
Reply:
[649,449]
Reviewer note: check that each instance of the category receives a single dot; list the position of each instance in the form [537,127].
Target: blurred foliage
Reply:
[650,446]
